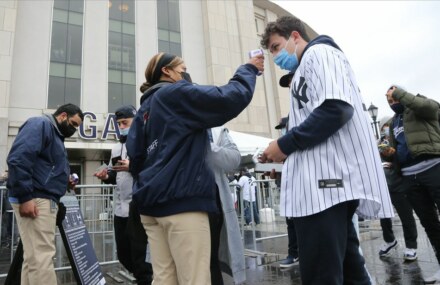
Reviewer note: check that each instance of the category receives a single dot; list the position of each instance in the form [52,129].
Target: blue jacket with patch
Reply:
[37,162]
[168,142]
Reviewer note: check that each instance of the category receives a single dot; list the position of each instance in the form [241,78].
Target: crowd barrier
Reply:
[271,226]
[96,204]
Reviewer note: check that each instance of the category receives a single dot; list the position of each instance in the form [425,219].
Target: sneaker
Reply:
[410,254]
[288,262]
[433,279]
[387,247]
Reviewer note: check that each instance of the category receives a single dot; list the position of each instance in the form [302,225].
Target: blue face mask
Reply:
[285,60]
[124,132]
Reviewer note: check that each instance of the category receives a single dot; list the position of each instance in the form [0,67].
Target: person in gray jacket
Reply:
[226,245]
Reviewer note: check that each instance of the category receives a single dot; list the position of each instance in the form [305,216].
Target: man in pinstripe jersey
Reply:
[332,168]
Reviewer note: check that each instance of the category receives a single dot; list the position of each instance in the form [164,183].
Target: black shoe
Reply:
[386,248]
[288,262]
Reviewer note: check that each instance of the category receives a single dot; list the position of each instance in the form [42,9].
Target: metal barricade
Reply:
[271,225]
[8,227]
[236,191]
[96,204]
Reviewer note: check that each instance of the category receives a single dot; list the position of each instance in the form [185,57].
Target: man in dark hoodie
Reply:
[38,177]
[325,176]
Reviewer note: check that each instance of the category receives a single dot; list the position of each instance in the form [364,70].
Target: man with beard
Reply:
[38,177]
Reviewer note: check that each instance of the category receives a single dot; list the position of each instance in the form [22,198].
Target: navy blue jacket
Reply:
[37,162]
[168,142]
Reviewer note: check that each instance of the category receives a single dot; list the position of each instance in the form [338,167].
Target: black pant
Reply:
[131,245]
[330,247]
[215,226]
[291,235]
[423,192]
[405,212]
[14,273]
[6,220]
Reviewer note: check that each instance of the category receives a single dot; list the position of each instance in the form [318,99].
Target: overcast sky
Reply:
[385,41]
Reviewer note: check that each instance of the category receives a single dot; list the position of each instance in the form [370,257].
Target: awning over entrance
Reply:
[249,144]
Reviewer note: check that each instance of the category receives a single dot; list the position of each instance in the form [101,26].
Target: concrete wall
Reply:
[94,67]
[8,16]
[230,33]
[216,38]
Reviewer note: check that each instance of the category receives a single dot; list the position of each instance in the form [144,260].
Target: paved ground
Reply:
[263,269]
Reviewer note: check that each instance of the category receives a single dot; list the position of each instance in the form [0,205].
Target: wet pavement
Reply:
[391,270]
[263,268]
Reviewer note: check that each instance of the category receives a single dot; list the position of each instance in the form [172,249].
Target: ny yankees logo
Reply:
[302,87]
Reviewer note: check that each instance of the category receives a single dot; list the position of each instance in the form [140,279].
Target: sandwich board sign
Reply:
[78,245]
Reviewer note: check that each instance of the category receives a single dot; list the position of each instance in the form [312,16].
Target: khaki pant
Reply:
[180,248]
[38,238]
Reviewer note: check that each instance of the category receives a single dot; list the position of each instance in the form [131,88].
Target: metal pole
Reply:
[376,127]
[375,124]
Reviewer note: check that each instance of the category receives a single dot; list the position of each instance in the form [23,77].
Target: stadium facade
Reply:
[93,53]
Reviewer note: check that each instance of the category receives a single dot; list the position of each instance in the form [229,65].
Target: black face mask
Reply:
[66,129]
[122,139]
[186,76]
[398,108]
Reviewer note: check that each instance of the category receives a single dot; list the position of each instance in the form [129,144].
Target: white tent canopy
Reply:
[249,144]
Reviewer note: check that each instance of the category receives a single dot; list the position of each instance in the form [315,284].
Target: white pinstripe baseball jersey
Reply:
[347,165]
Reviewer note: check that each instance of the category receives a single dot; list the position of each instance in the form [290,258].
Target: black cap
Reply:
[282,123]
[244,170]
[125,112]
[286,79]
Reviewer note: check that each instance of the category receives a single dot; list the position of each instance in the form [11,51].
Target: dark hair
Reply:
[283,26]
[70,109]
[153,72]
